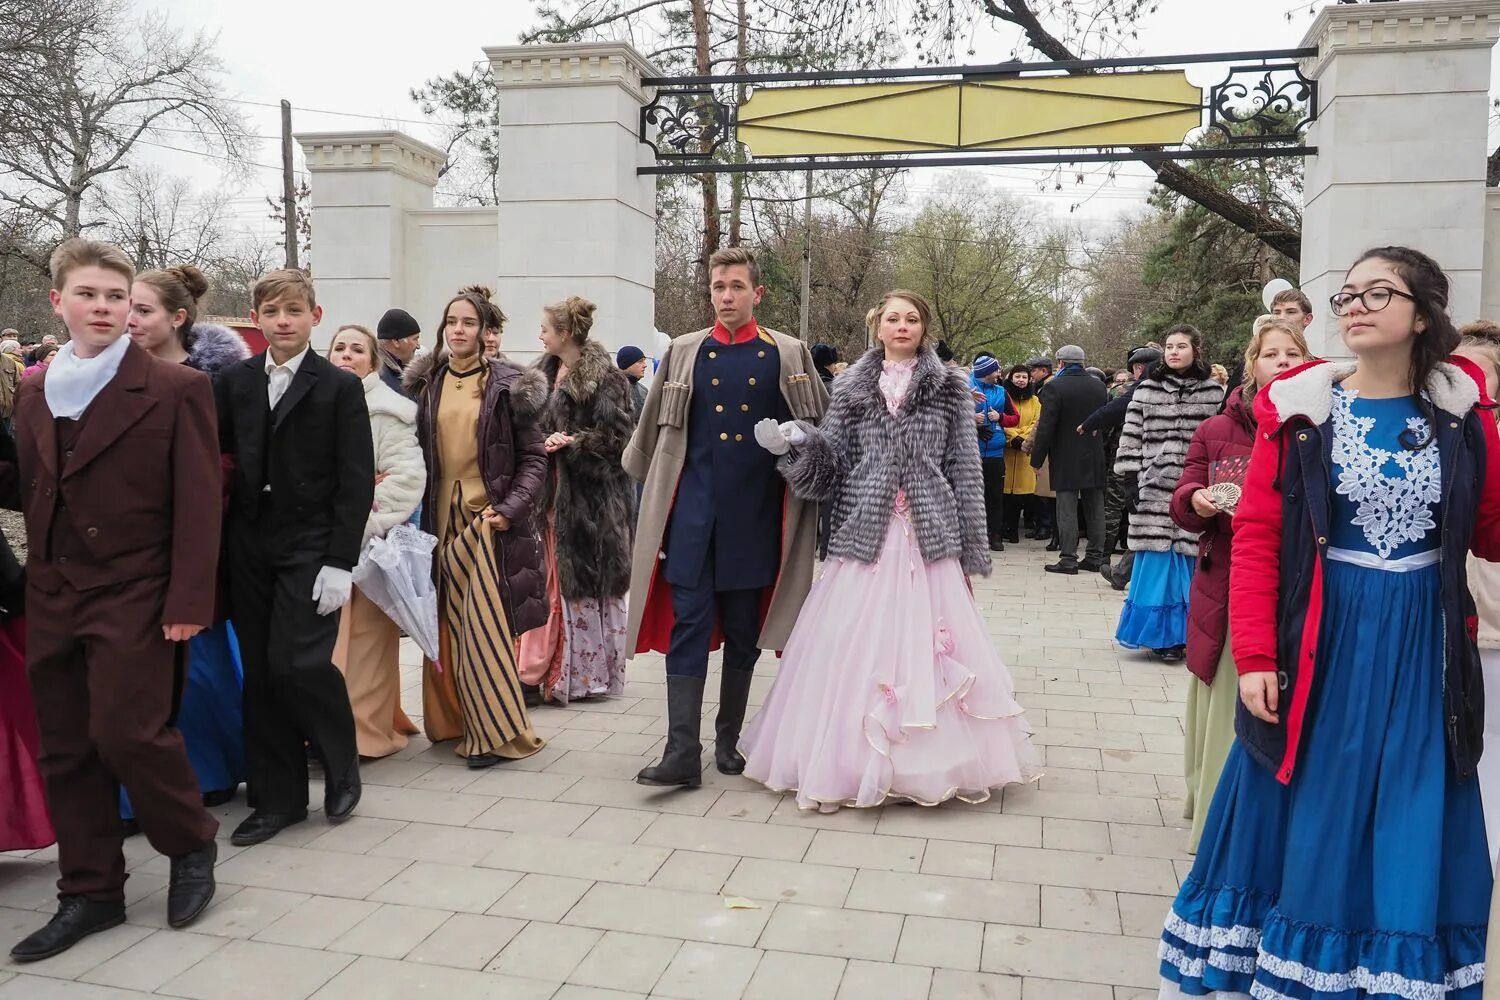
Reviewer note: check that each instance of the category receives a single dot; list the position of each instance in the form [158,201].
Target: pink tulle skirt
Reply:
[890,688]
[24,823]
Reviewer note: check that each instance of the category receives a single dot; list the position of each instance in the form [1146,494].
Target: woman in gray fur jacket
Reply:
[1176,396]
[889,686]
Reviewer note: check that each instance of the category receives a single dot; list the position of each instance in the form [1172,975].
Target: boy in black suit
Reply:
[302,486]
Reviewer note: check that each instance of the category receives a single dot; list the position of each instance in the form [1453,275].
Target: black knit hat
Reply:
[396,324]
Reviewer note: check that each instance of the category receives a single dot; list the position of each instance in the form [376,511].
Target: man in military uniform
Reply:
[724,551]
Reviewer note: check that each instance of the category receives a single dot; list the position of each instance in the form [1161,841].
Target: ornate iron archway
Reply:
[1077,111]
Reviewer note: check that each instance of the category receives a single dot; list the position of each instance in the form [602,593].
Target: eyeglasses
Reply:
[1373,299]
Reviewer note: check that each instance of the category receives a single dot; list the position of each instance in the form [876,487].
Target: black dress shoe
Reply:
[531,694]
[260,827]
[1109,574]
[1054,546]
[997,544]
[340,797]
[192,884]
[1091,565]
[1172,654]
[1013,537]
[1068,569]
[76,919]
[480,761]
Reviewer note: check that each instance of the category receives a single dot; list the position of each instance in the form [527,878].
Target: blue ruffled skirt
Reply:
[1369,875]
[211,715]
[1156,608]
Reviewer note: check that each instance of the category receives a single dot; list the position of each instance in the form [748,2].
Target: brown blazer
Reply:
[141,486]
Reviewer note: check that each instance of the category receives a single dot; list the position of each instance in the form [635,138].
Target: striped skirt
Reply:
[479,653]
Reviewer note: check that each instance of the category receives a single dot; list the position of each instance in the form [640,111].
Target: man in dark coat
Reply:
[1120,495]
[302,486]
[1077,458]
[400,338]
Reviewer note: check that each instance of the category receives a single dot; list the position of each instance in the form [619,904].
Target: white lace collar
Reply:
[1392,509]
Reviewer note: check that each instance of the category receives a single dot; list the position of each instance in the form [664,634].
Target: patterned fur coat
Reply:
[860,455]
[213,347]
[1159,425]
[591,499]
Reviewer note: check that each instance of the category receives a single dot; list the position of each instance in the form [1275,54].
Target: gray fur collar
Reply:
[1308,391]
[860,384]
[215,348]
[527,387]
[583,379]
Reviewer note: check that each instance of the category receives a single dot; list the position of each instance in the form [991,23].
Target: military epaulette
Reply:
[766,336]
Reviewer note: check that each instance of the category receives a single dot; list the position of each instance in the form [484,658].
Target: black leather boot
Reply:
[192,885]
[682,762]
[734,695]
[76,919]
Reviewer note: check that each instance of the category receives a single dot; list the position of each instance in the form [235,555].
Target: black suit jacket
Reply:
[1068,399]
[314,451]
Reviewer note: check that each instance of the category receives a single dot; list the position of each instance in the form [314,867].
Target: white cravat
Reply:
[73,382]
[280,377]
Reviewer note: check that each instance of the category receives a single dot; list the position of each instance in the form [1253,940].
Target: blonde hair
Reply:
[1271,324]
[282,283]
[924,310]
[78,252]
[1483,338]
[1219,374]
[735,257]
[178,288]
[365,331]
[573,316]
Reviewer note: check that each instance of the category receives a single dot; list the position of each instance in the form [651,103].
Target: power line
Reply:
[214,156]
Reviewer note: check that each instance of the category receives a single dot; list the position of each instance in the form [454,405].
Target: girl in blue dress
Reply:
[1344,855]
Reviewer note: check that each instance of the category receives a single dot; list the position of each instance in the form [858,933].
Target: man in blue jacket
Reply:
[989,418]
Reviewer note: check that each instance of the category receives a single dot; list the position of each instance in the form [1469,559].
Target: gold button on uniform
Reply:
[723,437]
[761,354]
[719,408]
[739,437]
[716,381]
[712,355]
[744,407]
[752,381]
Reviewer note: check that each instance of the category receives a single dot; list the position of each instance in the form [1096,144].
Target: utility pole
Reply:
[288,185]
[806,259]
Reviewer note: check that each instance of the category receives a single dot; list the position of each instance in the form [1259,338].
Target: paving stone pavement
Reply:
[559,878]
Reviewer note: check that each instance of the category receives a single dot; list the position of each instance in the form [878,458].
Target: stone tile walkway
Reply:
[558,878]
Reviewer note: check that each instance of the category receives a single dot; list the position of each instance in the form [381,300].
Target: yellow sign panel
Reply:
[1121,109]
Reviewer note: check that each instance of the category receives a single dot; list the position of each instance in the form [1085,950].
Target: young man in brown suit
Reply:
[117,470]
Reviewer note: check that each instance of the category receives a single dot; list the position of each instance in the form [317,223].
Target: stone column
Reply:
[575,217]
[1403,95]
[363,184]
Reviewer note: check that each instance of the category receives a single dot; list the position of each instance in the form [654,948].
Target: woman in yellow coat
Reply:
[1020,477]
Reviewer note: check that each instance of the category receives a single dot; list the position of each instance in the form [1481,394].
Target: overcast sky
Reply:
[351,67]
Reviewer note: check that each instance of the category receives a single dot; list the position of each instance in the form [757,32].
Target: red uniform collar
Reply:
[743,335]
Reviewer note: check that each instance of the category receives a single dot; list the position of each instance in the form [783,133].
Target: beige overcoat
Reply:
[655,457]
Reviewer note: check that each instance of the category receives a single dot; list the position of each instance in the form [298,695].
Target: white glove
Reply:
[332,588]
[772,436]
[795,435]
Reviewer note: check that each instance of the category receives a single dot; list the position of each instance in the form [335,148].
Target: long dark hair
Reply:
[1199,369]
[1432,346]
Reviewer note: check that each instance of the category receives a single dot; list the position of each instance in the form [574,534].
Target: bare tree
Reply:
[467,106]
[156,218]
[99,93]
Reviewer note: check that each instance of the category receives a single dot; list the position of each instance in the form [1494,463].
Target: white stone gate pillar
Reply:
[363,185]
[1403,95]
[575,218]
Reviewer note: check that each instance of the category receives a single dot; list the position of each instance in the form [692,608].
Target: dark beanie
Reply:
[944,352]
[824,355]
[396,324]
[628,356]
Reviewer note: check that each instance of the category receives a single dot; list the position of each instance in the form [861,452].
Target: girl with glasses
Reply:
[1344,853]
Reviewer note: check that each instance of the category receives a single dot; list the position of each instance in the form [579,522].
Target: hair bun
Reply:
[580,316]
[483,291]
[192,279]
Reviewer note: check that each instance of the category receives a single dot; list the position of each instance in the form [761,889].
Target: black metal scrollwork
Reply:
[690,123]
[1274,108]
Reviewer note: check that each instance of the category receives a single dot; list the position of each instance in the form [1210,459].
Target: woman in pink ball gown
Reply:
[889,687]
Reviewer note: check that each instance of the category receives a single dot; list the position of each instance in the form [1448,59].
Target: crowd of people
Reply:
[1309,540]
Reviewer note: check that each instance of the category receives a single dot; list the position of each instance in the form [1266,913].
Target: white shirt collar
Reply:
[291,366]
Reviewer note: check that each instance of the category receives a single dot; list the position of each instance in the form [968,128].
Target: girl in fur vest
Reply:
[589,508]
[368,650]
[1344,854]
[164,322]
[889,686]
[1219,452]
[1176,396]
